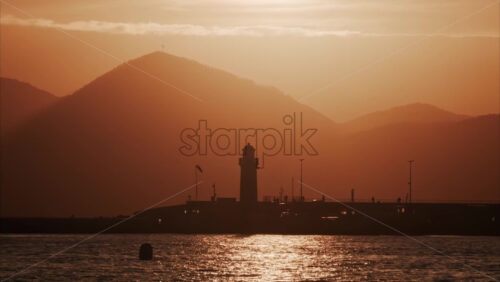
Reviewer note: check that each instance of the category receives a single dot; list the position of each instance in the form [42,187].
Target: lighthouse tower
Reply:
[248,179]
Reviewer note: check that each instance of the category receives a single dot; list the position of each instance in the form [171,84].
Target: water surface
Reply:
[253,257]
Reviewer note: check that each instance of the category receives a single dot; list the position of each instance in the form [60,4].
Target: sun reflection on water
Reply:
[252,257]
[279,257]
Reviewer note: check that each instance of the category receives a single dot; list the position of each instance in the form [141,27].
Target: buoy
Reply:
[146,252]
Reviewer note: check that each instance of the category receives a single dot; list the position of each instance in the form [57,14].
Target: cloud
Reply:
[152,28]
[174,29]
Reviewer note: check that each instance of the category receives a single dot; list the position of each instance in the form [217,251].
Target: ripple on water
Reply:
[249,257]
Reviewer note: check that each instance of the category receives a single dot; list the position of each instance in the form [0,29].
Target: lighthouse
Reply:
[248,178]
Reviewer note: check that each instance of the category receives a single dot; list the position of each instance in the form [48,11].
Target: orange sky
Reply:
[344,58]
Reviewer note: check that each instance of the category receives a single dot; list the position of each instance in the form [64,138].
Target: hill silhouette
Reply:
[454,161]
[20,102]
[411,113]
[112,146]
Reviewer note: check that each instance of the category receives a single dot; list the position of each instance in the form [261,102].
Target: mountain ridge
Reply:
[408,113]
[20,101]
[112,147]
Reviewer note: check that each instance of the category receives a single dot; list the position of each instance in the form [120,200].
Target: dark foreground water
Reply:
[254,257]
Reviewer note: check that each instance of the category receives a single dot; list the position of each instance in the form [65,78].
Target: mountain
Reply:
[412,113]
[20,102]
[113,147]
[454,161]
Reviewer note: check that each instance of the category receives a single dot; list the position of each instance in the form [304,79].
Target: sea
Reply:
[176,257]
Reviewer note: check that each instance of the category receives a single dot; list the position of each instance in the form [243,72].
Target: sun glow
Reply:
[270,2]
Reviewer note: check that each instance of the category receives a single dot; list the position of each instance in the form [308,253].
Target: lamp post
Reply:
[301,195]
[410,162]
[196,168]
